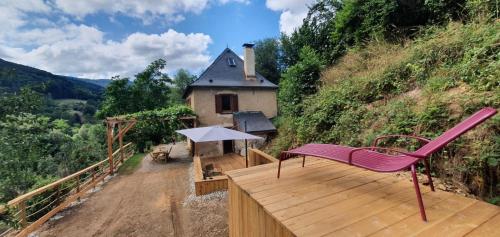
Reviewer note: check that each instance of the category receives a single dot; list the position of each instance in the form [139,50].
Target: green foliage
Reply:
[267,53]
[27,101]
[35,149]
[150,90]
[483,9]
[433,83]
[299,81]
[182,80]
[315,32]
[157,126]
[357,21]
[333,26]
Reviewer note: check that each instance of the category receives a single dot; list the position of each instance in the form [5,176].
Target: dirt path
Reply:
[156,200]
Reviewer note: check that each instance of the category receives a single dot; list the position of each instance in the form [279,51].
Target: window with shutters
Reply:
[226,103]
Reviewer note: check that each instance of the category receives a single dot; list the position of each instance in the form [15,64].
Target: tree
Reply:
[299,81]
[267,52]
[36,151]
[315,32]
[117,98]
[150,90]
[182,80]
[26,101]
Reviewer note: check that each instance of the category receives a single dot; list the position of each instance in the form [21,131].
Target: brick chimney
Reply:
[249,65]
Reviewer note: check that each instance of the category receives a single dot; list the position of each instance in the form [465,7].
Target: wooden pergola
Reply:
[121,125]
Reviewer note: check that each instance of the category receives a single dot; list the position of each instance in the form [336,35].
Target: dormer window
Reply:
[231,62]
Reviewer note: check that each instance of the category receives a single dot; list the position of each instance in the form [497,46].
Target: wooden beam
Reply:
[129,125]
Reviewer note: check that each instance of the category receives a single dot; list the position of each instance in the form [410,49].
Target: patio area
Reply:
[220,165]
[333,199]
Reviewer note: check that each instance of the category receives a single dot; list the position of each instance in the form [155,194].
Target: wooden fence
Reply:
[258,157]
[28,211]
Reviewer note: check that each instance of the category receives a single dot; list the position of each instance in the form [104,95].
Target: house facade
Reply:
[227,87]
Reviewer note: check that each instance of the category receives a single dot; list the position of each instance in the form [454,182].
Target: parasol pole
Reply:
[246,147]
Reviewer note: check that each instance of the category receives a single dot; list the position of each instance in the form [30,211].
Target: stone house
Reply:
[231,93]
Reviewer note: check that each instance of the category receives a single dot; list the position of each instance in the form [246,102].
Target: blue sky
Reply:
[104,38]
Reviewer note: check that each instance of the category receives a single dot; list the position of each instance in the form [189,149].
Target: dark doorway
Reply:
[228,146]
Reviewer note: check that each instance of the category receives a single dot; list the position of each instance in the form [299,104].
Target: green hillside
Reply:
[422,85]
[15,76]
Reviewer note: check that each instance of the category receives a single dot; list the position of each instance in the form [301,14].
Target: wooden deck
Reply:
[225,163]
[328,198]
[215,183]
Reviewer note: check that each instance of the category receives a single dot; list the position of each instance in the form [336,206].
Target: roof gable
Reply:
[221,74]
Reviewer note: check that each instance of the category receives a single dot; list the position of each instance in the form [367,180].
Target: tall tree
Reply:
[267,53]
[300,81]
[182,80]
[150,90]
[315,32]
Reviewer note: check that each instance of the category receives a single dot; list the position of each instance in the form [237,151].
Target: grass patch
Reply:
[131,164]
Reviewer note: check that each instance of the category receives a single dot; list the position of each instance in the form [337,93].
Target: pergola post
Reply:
[124,125]
[110,128]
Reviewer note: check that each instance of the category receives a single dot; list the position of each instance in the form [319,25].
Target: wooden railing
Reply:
[258,157]
[28,211]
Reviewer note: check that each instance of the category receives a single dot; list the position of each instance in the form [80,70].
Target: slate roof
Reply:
[221,74]
[256,122]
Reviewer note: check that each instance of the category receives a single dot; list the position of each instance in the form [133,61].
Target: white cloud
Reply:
[50,39]
[82,51]
[171,11]
[13,12]
[292,12]
[168,10]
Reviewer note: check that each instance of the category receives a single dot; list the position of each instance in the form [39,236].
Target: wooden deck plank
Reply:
[435,215]
[327,198]
[488,228]
[395,193]
[321,174]
[388,217]
[464,221]
[292,211]
[330,188]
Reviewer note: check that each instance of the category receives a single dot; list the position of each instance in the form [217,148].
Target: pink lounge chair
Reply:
[369,158]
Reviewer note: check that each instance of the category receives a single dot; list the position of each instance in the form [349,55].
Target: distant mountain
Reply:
[14,76]
[100,82]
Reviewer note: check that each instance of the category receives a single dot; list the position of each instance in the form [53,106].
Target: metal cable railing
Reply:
[28,211]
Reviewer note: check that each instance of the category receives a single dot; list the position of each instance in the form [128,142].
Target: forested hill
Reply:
[99,82]
[15,76]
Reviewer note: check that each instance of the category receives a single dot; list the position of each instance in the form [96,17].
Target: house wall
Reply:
[202,101]
[203,104]
[209,149]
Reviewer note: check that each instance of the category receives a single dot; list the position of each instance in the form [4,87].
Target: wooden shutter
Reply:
[234,103]
[218,104]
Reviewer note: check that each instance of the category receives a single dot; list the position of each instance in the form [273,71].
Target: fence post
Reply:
[93,176]
[78,186]
[23,220]
[120,139]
